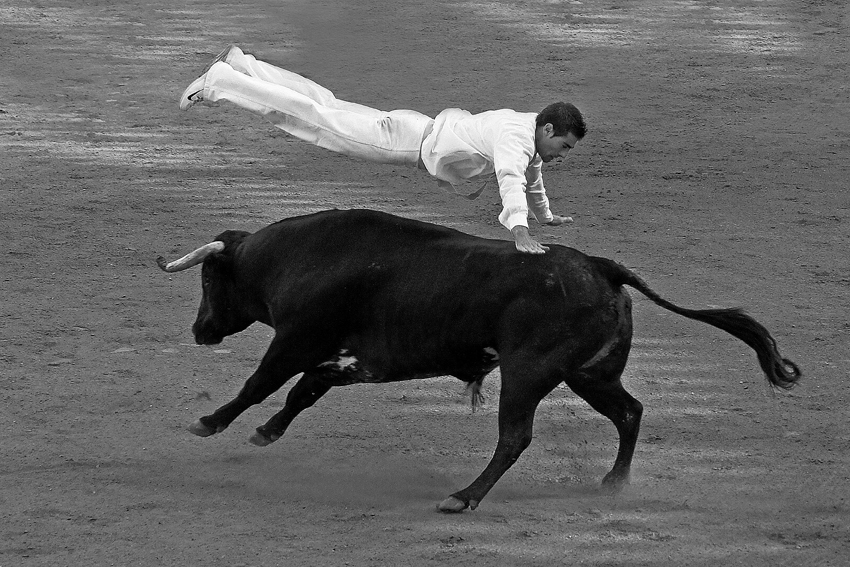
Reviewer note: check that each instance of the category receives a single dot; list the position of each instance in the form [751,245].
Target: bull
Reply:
[361,296]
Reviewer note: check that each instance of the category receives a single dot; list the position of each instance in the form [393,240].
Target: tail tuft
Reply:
[786,374]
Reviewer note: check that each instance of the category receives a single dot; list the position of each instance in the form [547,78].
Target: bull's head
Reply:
[220,313]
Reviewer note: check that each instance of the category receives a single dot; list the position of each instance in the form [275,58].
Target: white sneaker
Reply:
[194,93]
[221,56]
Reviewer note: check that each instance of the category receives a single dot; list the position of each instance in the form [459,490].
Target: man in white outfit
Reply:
[455,147]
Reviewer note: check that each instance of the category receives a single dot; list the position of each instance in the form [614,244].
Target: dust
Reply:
[361,481]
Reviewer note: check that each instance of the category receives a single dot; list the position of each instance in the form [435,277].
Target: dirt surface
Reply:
[716,166]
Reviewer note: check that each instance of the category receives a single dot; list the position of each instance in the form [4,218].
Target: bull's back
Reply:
[421,292]
[357,254]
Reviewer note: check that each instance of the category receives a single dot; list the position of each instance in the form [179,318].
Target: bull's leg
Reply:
[609,398]
[303,394]
[278,365]
[518,402]
[598,383]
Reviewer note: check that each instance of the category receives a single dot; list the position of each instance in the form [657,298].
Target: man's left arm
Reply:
[538,202]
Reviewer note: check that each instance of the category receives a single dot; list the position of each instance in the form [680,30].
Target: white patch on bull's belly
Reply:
[348,369]
[493,353]
[342,363]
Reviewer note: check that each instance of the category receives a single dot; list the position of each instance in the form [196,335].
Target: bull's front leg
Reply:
[277,366]
[303,395]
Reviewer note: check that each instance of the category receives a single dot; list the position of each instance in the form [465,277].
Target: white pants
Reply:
[312,113]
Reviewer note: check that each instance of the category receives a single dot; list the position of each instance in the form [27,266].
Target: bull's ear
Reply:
[233,237]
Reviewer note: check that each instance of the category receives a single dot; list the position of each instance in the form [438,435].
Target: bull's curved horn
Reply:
[192,258]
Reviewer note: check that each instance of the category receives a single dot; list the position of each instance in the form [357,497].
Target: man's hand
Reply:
[559,220]
[524,242]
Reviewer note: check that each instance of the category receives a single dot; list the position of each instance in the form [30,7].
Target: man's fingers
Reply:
[532,248]
[559,220]
[524,242]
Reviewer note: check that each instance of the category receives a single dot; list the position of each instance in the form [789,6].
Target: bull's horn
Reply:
[192,258]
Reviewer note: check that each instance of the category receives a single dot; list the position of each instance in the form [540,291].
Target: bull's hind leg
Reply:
[303,394]
[280,363]
[598,383]
[518,401]
[605,393]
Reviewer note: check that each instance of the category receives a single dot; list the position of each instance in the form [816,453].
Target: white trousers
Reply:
[312,113]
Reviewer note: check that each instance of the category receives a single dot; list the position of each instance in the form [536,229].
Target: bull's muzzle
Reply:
[205,335]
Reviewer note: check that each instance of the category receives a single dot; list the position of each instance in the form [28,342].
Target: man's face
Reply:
[549,146]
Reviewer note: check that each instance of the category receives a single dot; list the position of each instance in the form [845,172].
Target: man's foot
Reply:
[194,93]
[220,57]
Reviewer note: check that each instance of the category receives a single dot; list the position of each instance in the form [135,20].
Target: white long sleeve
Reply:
[464,147]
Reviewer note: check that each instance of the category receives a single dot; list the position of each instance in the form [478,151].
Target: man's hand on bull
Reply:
[524,242]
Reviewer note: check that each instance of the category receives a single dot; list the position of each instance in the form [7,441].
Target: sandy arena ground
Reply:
[716,166]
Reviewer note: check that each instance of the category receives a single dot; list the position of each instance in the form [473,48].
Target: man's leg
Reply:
[385,137]
[253,67]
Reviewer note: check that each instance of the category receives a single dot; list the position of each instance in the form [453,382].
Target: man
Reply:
[455,147]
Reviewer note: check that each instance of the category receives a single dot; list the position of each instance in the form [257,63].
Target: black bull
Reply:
[361,296]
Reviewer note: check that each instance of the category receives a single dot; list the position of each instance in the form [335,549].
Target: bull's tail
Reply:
[779,371]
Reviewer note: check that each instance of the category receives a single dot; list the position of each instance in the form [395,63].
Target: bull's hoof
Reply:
[452,505]
[613,483]
[260,440]
[201,430]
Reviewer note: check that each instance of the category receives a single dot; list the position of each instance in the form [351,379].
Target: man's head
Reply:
[559,127]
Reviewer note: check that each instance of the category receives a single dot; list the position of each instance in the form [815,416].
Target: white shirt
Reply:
[465,146]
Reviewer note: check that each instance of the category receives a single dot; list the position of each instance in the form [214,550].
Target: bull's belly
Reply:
[346,367]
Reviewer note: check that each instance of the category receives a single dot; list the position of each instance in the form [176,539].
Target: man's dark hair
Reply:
[564,118]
